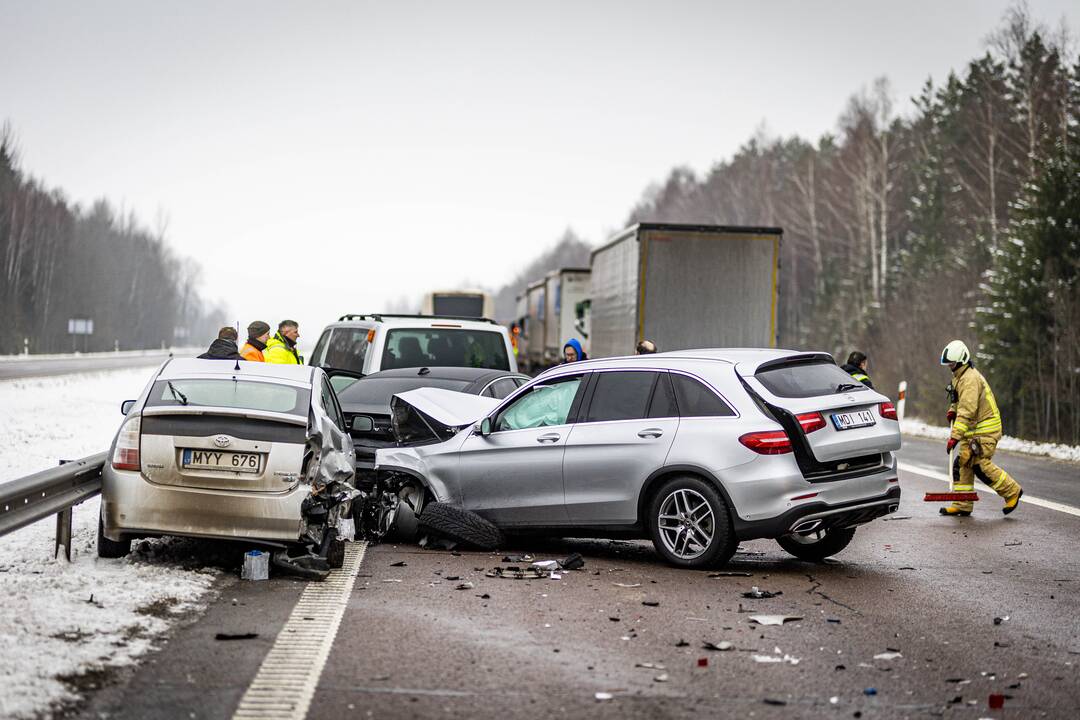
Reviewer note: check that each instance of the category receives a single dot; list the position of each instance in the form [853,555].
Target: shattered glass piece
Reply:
[774,619]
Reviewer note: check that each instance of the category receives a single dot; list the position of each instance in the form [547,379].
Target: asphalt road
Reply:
[924,586]
[10,369]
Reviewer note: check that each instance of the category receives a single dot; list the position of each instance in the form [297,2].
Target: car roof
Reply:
[465,374]
[390,321]
[182,368]
[749,357]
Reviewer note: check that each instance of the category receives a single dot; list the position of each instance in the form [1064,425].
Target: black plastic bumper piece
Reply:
[847,514]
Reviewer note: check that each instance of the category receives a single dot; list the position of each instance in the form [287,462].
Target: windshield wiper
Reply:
[176,393]
[845,387]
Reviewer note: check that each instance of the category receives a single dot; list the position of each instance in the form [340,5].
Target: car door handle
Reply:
[549,438]
[650,433]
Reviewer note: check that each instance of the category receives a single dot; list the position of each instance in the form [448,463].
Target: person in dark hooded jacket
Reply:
[572,351]
[224,348]
[856,368]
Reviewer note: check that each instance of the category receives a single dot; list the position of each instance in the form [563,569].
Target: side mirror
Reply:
[485,427]
[362,424]
[125,407]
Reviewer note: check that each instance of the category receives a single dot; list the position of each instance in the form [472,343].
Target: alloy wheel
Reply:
[686,523]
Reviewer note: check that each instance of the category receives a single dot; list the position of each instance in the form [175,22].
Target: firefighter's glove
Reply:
[950,445]
[950,416]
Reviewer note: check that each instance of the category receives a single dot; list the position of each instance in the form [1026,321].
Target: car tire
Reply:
[814,548]
[460,525]
[107,548]
[710,541]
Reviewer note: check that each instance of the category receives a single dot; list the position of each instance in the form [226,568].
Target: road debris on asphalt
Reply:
[574,561]
[757,593]
[519,558]
[890,655]
[236,636]
[661,678]
[774,619]
[721,646]
[399,563]
[627,585]
[730,573]
[650,666]
[778,656]
[999,620]
[651,603]
[514,572]
[467,585]
[603,696]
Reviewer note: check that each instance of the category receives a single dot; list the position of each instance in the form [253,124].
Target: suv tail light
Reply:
[887,410]
[126,454]
[770,442]
[811,421]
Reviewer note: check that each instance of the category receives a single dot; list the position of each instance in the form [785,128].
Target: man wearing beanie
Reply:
[224,348]
[258,334]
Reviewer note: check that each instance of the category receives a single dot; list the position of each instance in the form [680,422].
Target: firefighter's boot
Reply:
[954,511]
[1011,503]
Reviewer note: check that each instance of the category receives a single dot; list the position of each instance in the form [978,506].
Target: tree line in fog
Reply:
[904,231]
[63,262]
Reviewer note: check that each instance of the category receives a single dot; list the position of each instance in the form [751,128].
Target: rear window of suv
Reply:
[238,394]
[444,347]
[807,379]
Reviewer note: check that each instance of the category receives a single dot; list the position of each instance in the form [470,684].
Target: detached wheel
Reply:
[457,523]
[107,548]
[816,546]
[690,524]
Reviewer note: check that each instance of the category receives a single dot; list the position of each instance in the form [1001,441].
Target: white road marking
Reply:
[1028,499]
[285,684]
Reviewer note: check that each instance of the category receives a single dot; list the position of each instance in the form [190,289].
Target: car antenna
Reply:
[237,368]
[424,371]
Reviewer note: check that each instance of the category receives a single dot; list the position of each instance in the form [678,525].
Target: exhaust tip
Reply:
[806,526]
[894,507]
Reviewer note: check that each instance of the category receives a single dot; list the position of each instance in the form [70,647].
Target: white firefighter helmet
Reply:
[955,352]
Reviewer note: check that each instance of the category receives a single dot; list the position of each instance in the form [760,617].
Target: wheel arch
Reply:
[659,477]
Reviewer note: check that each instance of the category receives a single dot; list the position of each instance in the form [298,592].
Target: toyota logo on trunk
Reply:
[223,441]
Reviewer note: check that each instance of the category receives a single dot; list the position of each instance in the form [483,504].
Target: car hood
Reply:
[453,409]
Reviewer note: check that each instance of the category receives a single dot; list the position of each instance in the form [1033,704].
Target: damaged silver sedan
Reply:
[238,451]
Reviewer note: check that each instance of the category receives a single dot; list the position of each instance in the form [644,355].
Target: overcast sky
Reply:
[321,158]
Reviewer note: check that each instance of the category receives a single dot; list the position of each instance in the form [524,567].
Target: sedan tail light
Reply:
[126,454]
[770,442]
[811,421]
[887,410]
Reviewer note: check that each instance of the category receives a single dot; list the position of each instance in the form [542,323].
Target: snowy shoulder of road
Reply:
[60,623]
[918,428]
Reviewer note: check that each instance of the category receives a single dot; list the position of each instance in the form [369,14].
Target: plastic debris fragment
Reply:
[888,656]
[721,646]
[604,696]
[757,593]
[774,619]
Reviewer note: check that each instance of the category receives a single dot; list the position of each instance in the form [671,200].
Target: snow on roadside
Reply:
[918,428]
[60,620]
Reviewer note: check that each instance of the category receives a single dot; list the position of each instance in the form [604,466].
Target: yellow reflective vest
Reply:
[976,409]
[278,351]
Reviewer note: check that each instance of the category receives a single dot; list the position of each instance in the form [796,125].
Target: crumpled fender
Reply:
[338,464]
[410,460]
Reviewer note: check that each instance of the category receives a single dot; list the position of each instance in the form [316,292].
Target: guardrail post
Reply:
[63,534]
[63,530]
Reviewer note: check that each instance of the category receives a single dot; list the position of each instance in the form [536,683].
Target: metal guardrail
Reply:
[53,491]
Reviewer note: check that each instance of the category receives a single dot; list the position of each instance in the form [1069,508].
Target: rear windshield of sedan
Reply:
[238,394]
[444,347]
[807,379]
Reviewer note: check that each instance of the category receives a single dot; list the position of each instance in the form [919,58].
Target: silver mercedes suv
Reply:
[696,449]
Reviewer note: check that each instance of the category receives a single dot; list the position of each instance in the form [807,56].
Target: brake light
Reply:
[770,442]
[887,410]
[811,421]
[126,454]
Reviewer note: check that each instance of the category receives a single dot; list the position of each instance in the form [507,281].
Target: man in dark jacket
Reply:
[856,368]
[224,348]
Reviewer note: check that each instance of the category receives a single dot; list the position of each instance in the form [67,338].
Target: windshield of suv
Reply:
[807,379]
[239,394]
[444,347]
[342,348]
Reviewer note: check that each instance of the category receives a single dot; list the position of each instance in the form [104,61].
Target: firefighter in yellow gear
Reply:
[976,428]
